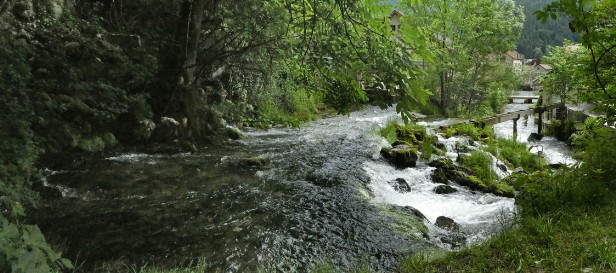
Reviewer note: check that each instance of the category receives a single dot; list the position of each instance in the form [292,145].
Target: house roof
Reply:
[545,66]
[395,13]
[515,55]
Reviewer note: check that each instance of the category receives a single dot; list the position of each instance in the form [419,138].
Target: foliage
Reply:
[537,37]
[556,242]
[516,154]
[466,35]
[566,78]
[469,130]
[426,148]
[480,164]
[389,131]
[23,248]
[594,21]
[562,131]
[597,148]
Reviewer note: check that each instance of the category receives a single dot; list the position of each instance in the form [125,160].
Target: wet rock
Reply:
[401,156]
[501,166]
[454,239]
[519,170]
[257,161]
[168,129]
[413,211]
[234,133]
[439,176]
[535,137]
[143,130]
[461,148]
[400,185]
[46,191]
[444,189]
[441,146]
[446,223]
[556,165]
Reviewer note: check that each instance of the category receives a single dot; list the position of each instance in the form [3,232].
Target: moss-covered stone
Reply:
[448,132]
[504,190]
[401,156]
[257,161]
[407,134]
[234,133]
[110,140]
[90,145]
[439,176]
[407,220]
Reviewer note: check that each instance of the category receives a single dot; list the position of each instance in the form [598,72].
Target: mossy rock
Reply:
[407,220]
[448,132]
[399,142]
[439,176]
[90,145]
[401,156]
[257,161]
[234,133]
[407,134]
[504,190]
[110,140]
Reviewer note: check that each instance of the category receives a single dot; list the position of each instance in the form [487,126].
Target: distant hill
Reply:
[536,36]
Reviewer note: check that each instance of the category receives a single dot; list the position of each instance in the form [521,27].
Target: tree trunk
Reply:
[178,95]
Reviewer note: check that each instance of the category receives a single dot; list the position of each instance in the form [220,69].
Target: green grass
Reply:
[572,240]
[480,165]
[389,131]
[516,154]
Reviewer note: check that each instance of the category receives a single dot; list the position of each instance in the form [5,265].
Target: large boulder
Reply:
[401,156]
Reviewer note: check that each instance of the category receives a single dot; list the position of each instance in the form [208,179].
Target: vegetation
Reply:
[515,154]
[465,36]
[81,77]
[565,215]
[537,37]
[573,239]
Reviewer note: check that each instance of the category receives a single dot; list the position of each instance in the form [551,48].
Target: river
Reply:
[327,198]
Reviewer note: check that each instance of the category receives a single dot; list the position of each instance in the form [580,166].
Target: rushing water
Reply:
[322,200]
[553,150]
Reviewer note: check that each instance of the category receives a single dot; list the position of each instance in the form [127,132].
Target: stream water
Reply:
[322,200]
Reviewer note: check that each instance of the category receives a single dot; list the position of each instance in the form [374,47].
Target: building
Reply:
[395,22]
[514,58]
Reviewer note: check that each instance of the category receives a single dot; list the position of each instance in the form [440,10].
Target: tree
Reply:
[565,79]
[595,22]
[466,36]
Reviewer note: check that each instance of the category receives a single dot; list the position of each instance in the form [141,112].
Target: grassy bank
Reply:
[565,219]
[570,240]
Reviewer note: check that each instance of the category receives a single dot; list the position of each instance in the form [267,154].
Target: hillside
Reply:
[536,36]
